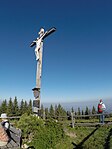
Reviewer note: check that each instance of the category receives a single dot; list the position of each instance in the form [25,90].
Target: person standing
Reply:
[5,123]
[4,130]
[101,109]
[9,133]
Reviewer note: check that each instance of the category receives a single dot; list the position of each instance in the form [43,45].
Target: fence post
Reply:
[43,114]
[72,116]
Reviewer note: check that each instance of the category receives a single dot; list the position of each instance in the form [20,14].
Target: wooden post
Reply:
[39,68]
[72,116]
[38,52]
[43,114]
[38,77]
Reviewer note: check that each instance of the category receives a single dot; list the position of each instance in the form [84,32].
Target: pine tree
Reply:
[15,107]
[79,113]
[25,107]
[46,113]
[30,107]
[4,106]
[69,115]
[93,110]
[51,111]
[61,113]
[87,112]
[82,112]
[75,113]
[72,110]
[42,111]
[10,107]
[55,111]
[22,107]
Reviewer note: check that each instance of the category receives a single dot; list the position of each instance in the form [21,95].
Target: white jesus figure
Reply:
[38,42]
[38,48]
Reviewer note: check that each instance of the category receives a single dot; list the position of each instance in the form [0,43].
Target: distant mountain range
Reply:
[82,105]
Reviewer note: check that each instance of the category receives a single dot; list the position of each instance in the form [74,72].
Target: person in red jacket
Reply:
[101,109]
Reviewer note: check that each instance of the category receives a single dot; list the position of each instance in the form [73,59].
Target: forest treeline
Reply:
[14,108]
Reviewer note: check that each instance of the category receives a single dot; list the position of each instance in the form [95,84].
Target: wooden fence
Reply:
[73,118]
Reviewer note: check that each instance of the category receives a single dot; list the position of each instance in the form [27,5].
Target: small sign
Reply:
[36,103]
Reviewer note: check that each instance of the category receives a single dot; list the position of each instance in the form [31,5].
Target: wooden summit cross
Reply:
[38,43]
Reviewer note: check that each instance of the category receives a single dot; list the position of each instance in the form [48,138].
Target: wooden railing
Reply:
[73,118]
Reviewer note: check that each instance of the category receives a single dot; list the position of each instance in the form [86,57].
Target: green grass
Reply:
[79,137]
[88,138]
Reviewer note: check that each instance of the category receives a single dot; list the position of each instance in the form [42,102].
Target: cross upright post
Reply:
[38,43]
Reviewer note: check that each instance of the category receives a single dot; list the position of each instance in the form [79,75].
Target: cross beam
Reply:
[47,33]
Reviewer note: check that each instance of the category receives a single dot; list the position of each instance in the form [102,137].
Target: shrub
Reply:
[48,136]
[28,125]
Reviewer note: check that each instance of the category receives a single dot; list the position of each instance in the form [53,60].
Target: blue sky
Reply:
[77,58]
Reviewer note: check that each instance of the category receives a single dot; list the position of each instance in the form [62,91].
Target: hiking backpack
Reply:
[100,109]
